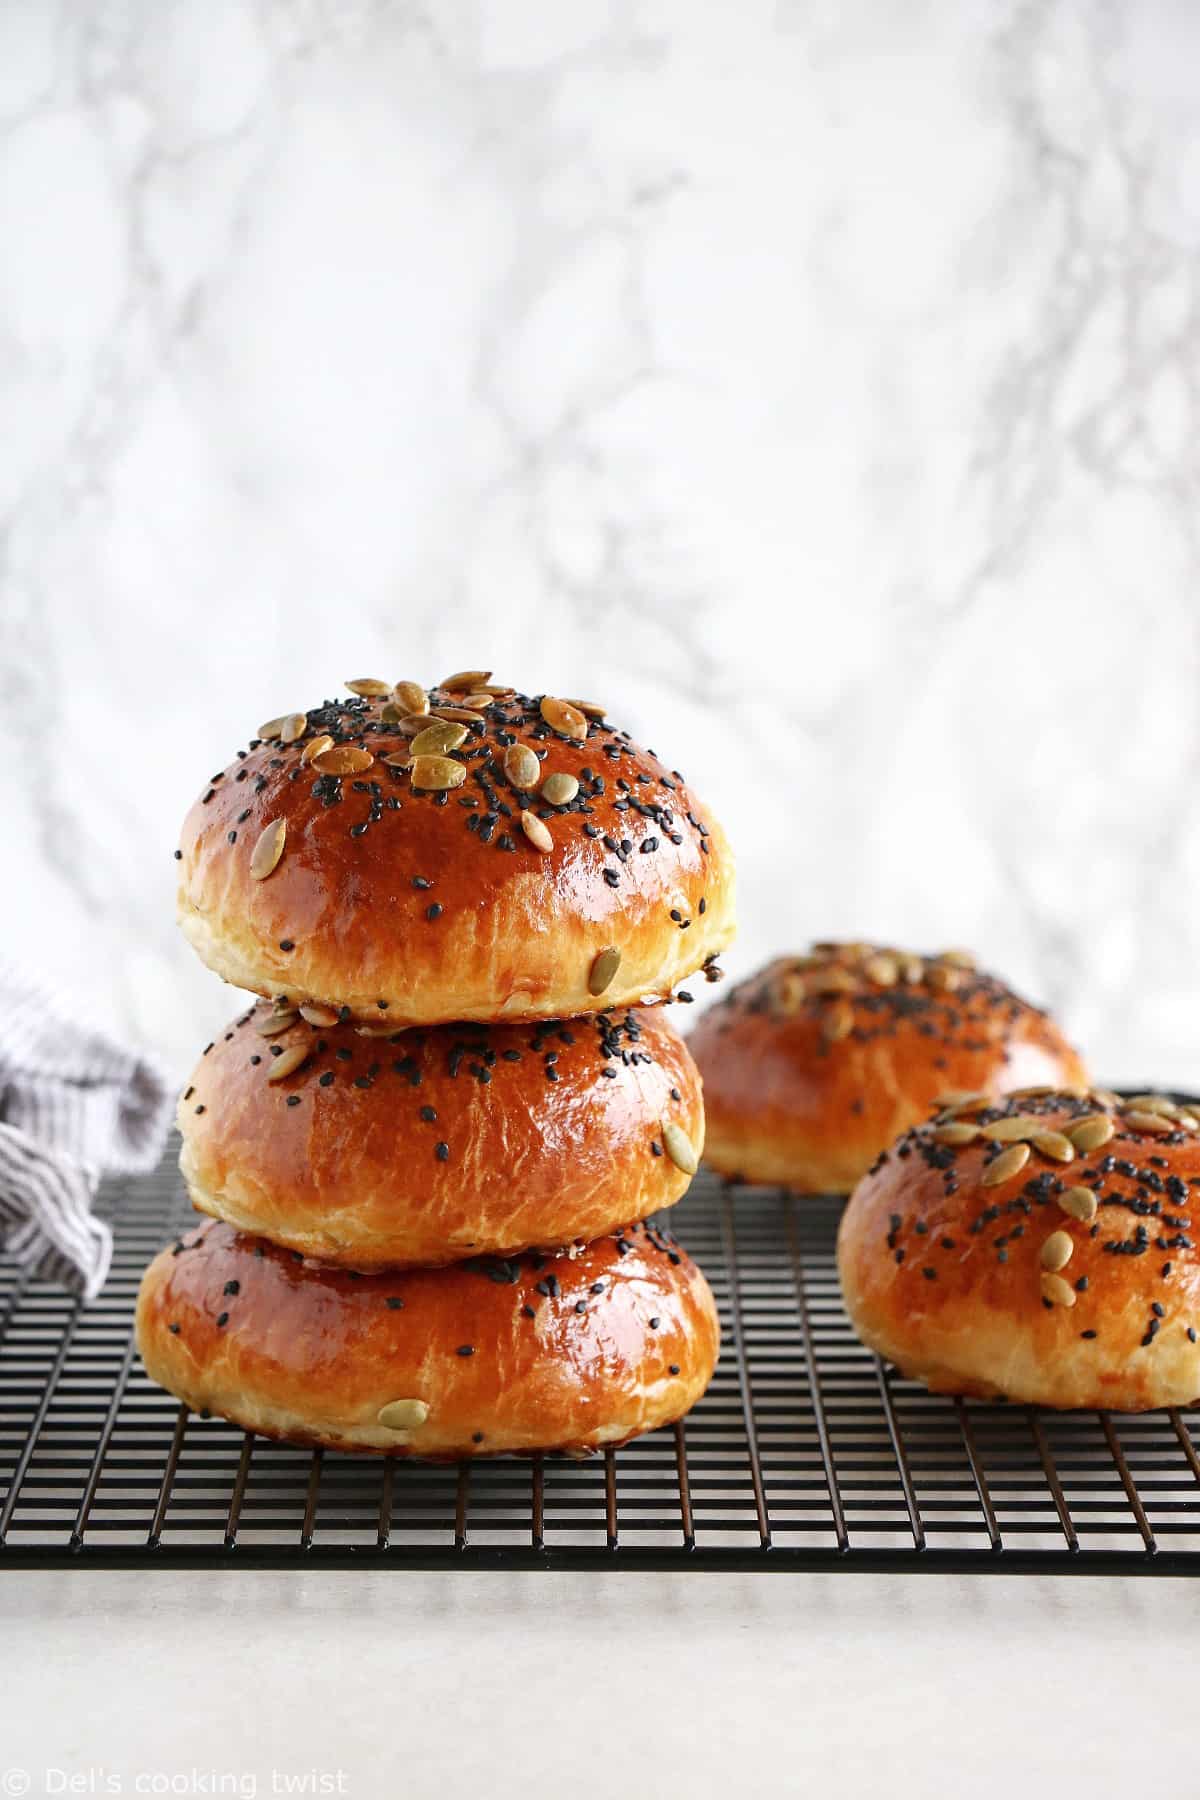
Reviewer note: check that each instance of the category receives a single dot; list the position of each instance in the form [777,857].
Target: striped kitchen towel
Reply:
[74,1106]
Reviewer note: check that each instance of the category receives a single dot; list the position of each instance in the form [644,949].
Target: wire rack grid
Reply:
[806,1453]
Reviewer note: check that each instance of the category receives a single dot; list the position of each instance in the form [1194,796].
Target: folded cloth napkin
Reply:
[74,1106]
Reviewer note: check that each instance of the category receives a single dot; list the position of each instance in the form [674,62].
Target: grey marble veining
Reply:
[815,384]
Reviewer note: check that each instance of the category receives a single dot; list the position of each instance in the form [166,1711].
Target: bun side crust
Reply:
[426,1147]
[806,1080]
[957,1282]
[439,904]
[540,1353]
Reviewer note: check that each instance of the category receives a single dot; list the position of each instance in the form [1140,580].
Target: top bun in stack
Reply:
[466,852]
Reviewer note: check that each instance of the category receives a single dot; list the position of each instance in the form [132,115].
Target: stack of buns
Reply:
[429,1151]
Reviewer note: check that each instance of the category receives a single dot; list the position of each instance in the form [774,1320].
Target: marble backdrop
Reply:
[815,382]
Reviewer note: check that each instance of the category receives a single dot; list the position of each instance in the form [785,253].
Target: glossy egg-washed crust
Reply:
[816,1062]
[428,1146]
[533,1353]
[437,905]
[956,1283]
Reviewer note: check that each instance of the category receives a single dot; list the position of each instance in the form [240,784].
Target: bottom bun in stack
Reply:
[538,1352]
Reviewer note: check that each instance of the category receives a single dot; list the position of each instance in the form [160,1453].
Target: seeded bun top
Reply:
[466,853]
[564,1352]
[1041,1249]
[818,1061]
[370,1147]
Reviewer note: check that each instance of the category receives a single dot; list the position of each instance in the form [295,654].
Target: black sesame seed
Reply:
[286,944]
[466,1350]
[434,911]
[222,1319]
[174,1329]
[442,1152]
[674,1368]
[395,1303]
[233,1287]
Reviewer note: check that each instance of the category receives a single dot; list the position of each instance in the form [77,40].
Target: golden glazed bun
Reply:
[537,1353]
[416,1146]
[818,1061]
[544,866]
[1041,1249]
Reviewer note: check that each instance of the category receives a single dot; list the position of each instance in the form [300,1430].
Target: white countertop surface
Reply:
[489,1685]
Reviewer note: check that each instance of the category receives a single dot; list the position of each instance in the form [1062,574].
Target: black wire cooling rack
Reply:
[806,1453]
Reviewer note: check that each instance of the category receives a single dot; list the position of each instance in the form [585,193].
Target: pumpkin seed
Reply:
[837,1022]
[1080,1203]
[410,725]
[522,766]
[293,727]
[535,830]
[343,759]
[1152,1123]
[679,1147]
[461,713]
[832,981]
[369,689]
[316,747]
[955,1134]
[271,730]
[912,969]
[1054,1144]
[560,789]
[397,759]
[605,966]
[1103,1097]
[1088,1134]
[588,708]
[466,681]
[1010,1162]
[564,718]
[478,702]
[958,1100]
[1057,1251]
[883,970]
[268,850]
[439,738]
[1057,1291]
[272,1023]
[289,1062]
[944,977]
[1189,1120]
[1012,1130]
[958,959]
[1155,1103]
[317,1014]
[787,994]
[402,1415]
[410,697]
[438,772]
